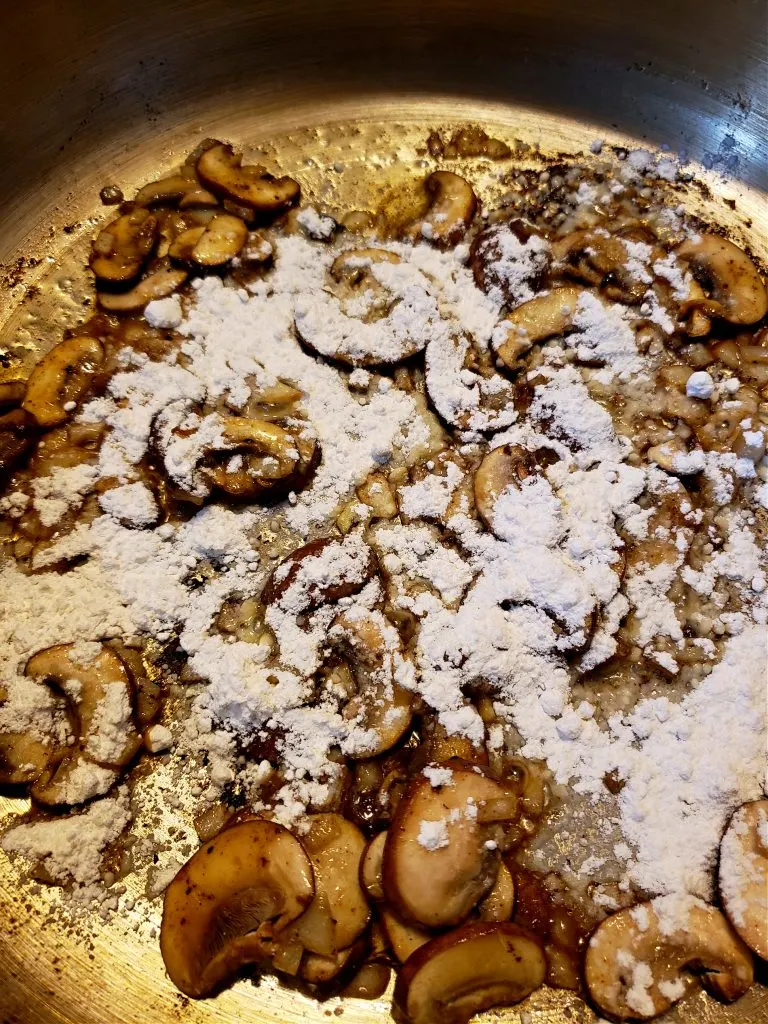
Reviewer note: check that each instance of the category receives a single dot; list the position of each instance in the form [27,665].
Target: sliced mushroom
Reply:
[158,285]
[167,189]
[197,198]
[183,244]
[344,568]
[503,467]
[743,874]
[231,901]
[464,386]
[371,868]
[18,431]
[120,249]
[381,709]
[536,320]
[22,758]
[737,291]
[403,938]
[452,206]
[471,969]
[339,912]
[62,376]
[12,393]
[638,960]
[393,312]
[221,170]
[212,245]
[443,846]
[274,459]
[99,697]
[509,261]
[600,259]
[321,970]
[370,982]
[353,265]
[500,901]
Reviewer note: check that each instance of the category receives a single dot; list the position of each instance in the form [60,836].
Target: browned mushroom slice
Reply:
[25,754]
[370,982]
[471,969]
[62,376]
[509,260]
[100,692]
[183,245]
[600,259]
[221,170]
[213,245]
[197,198]
[99,697]
[274,459]
[500,901]
[167,189]
[452,206]
[371,868]
[351,566]
[158,285]
[22,758]
[464,386]
[322,970]
[339,912]
[353,265]
[12,393]
[120,249]
[732,279]
[395,311]
[743,874]
[543,317]
[18,430]
[443,846]
[231,901]
[504,467]
[381,709]
[637,959]
[403,938]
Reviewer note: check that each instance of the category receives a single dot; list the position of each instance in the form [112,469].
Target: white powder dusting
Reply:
[433,835]
[71,849]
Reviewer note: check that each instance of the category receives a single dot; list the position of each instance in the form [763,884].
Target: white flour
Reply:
[503,612]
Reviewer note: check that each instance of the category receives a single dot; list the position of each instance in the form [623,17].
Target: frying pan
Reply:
[113,92]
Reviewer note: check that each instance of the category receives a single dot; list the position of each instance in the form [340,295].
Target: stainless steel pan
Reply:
[115,91]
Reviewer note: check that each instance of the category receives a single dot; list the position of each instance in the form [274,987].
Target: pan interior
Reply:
[350,154]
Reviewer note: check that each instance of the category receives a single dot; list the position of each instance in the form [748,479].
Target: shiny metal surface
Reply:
[115,92]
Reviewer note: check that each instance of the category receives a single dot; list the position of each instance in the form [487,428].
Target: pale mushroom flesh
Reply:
[638,961]
[474,968]
[743,874]
[229,904]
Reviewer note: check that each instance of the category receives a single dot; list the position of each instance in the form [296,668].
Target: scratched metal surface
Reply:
[119,96]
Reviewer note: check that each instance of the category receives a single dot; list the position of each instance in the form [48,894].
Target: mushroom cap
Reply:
[157,285]
[229,903]
[339,912]
[732,277]
[542,317]
[404,939]
[97,693]
[298,570]
[434,877]
[452,206]
[220,169]
[470,969]
[743,874]
[61,376]
[636,961]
